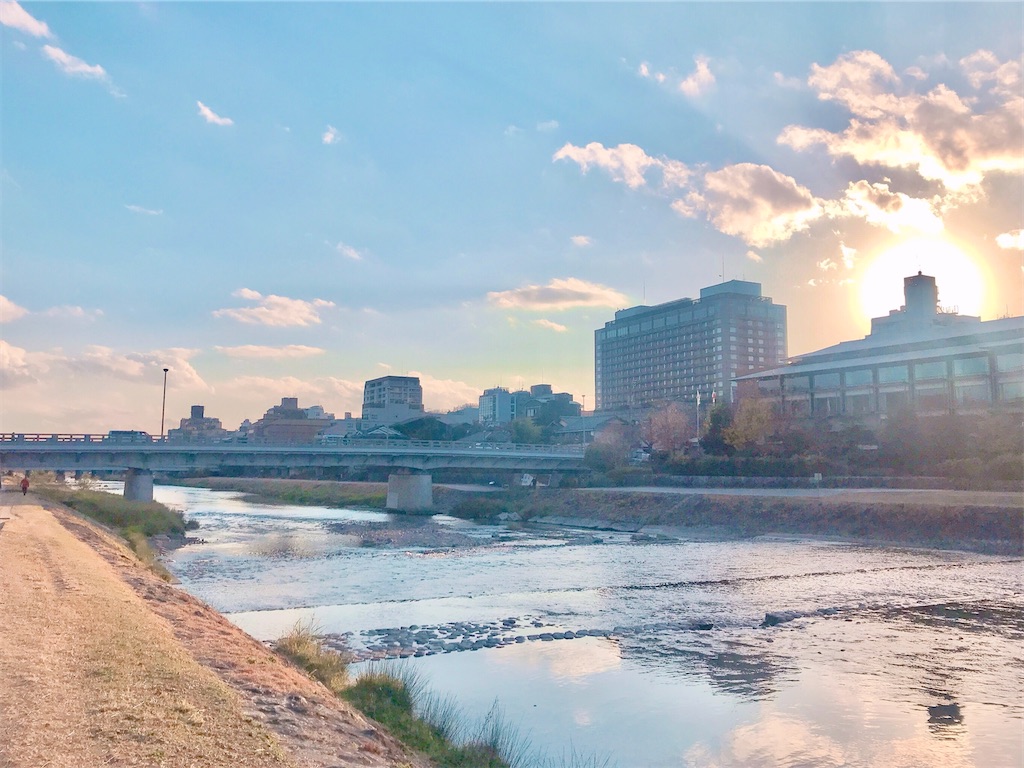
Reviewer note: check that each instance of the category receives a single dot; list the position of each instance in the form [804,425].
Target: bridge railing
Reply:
[323,443]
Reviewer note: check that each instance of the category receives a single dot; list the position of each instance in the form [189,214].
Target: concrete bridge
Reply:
[409,483]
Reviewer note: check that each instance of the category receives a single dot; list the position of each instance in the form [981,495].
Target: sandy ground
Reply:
[104,664]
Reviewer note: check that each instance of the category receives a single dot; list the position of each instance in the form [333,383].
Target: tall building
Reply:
[392,399]
[674,351]
[916,357]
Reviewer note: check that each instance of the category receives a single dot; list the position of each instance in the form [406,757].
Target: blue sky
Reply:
[287,199]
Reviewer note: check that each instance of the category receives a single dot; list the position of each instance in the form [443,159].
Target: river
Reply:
[633,653]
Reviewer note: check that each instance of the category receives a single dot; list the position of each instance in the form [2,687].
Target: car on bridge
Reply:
[127,436]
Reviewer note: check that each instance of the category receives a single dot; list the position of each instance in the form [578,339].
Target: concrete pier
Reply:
[138,485]
[410,492]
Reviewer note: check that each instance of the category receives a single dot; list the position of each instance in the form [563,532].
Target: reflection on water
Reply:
[655,654]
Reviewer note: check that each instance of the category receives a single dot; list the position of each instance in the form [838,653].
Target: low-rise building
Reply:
[915,358]
[392,400]
[198,427]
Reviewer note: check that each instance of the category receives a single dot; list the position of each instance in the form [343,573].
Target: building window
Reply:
[970,366]
[930,371]
[893,374]
[859,378]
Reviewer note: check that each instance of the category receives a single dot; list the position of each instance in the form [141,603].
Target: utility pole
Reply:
[163,406]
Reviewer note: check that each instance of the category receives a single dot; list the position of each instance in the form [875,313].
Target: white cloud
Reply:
[700,80]
[72,65]
[212,117]
[941,135]
[551,325]
[14,16]
[10,311]
[348,252]
[755,203]
[581,241]
[331,135]
[17,368]
[755,256]
[262,352]
[73,312]
[278,311]
[849,255]
[1012,240]
[145,211]
[445,394]
[547,126]
[879,206]
[323,390]
[791,83]
[513,130]
[559,294]
[626,163]
[105,362]
[826,264]
[983,67]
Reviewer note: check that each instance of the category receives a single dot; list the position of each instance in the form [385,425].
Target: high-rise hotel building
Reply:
[674,351]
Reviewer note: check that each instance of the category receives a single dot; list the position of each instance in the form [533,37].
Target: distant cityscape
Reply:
[728,345]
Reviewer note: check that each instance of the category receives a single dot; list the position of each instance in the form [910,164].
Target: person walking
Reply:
[24,485]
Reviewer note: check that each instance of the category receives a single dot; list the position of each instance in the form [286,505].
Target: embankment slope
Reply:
[102,663]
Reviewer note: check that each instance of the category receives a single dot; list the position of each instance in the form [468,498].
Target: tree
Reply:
[525,432]
[713,440]
[669,428]
[752,425]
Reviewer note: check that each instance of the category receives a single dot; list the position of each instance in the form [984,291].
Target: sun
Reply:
[959,279]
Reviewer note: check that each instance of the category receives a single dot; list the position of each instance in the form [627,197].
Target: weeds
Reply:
[304,648]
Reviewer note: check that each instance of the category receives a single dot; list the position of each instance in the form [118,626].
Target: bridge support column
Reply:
[59,476]
[138,485]
[410,493]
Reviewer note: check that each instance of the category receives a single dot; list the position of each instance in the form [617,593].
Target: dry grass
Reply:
[304,648]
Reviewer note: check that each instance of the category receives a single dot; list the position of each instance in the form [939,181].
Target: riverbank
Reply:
[977,521]
[102,662]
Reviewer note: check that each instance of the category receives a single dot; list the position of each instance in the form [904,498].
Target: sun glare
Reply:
[959,279]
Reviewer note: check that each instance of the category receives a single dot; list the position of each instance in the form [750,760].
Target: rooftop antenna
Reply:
[723,268]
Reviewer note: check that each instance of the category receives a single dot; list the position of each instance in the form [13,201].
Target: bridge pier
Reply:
[138,485]
[410,492]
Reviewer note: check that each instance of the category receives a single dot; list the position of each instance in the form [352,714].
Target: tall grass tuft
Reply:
[304,648]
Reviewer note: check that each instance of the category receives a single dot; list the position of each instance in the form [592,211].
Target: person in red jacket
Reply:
[24,485]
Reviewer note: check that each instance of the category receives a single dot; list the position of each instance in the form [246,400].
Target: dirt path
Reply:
[103,664]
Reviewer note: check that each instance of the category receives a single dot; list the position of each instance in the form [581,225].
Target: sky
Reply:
[287,199]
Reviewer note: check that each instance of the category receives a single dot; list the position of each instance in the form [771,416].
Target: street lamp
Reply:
[163,406]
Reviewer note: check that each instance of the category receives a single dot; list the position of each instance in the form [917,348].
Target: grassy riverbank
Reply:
[977,521]
[315,493]
[401,704]
[135,521]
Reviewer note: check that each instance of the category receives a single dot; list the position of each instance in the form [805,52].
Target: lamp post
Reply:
[163,406]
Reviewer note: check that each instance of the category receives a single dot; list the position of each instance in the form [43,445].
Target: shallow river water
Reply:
[636,653]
